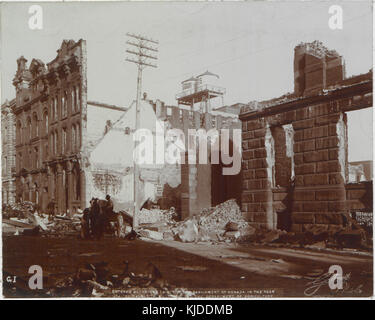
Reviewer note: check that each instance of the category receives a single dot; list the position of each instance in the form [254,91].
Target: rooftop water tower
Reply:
[200,89]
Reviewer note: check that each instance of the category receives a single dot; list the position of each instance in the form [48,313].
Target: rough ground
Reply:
[227,268]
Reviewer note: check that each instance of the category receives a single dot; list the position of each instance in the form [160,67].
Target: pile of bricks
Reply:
[18,210]
[217,218]
[156,215]
[221,223]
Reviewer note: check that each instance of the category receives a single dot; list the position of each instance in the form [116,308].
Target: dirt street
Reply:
[204,269]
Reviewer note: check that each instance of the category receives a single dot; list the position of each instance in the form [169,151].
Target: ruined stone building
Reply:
[187,187]
[295,168]
[65,144]
[55,128]
[50,116]
[8,152]
[295,148]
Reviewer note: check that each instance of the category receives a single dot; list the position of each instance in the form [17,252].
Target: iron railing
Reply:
[200,88]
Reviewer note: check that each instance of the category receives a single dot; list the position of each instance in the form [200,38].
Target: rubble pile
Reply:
[63,226]
[225,223]
[98,280]
[24,218]
[225,216]
[221,223]
[156,215]
[318,237]
[18,210]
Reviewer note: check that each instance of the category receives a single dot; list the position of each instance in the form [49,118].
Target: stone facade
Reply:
[50,120]
[294,148]
[57,128]
[295,163]
[8,152]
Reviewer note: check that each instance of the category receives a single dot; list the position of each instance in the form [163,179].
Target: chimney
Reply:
[21,64]
[21,81]
[316,68]
[161,112]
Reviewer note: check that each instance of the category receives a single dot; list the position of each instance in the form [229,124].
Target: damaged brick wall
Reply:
[197,190]
[359,196]
[316,68]
[317,130]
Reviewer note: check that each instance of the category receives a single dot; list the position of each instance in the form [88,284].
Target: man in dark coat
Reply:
[85,224]
[95,220]
[109,206]
[51,208]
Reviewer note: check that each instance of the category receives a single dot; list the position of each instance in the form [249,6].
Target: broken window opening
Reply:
[283,170]
[282,141]
[359,145]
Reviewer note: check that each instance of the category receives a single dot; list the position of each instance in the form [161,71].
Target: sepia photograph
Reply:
[187,150]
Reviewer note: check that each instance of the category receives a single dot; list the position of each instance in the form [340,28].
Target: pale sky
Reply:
[250,45]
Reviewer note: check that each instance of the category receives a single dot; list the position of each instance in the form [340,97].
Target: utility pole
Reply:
[142,53]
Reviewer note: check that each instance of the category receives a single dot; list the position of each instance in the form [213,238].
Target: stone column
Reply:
[60,189]
[84,200]
[203,174]
[70,181]
[257,166]
[320,158]
[185,207]
[193,181]
[50,195]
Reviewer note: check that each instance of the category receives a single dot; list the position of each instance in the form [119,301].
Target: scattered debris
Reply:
[37,221]
[132,235]
[97,280]
[232,235]
[291,276]
[225,214]
[63,217]
[89,254]
[156,215]
[272,236]
[64,227]
[278,260]
[231,226]
[223,223]
[168,235]
[154,235]
[351,238]
[317,245]
[192,268]
[18,210]
[187,231]
[17,223]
